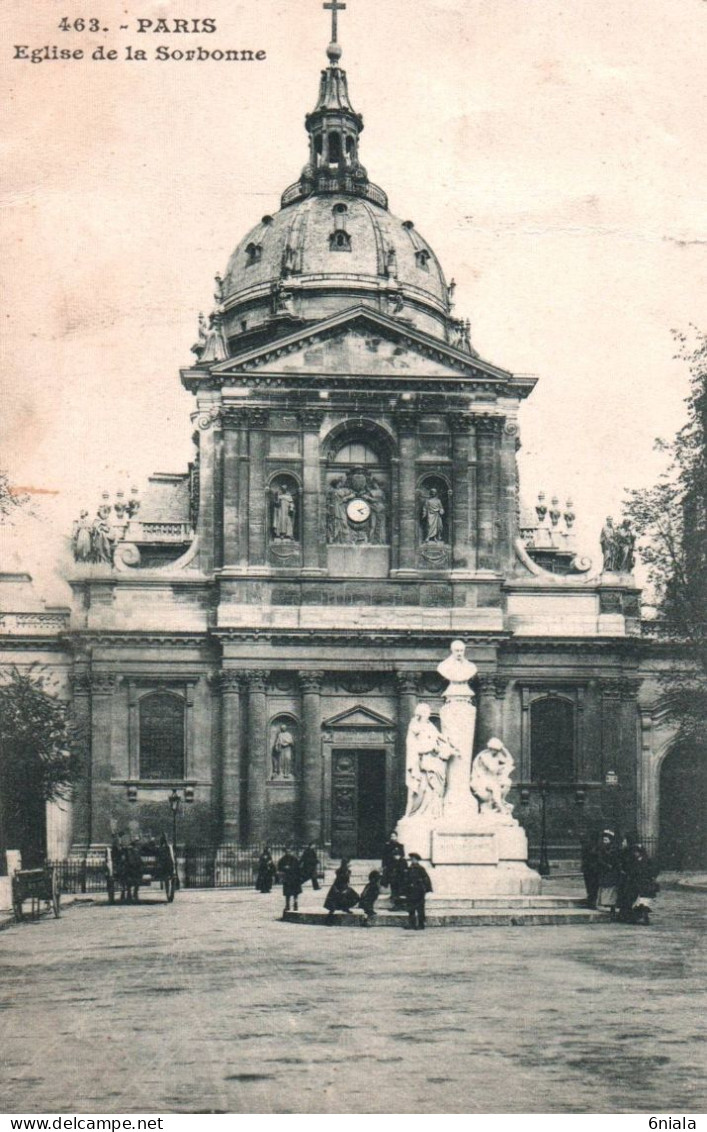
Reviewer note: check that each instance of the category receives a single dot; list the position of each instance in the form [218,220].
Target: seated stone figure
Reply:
[491,778]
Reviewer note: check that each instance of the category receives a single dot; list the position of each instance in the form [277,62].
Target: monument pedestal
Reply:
[490,860]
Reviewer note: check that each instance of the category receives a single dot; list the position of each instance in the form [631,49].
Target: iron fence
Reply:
[228,866]
[78,875]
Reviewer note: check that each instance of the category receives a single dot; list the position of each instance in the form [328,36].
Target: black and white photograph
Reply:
[353,559]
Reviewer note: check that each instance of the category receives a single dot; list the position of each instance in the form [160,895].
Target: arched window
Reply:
[552,740]
[334,148]
[253,254]
[356,452]
[340,241]
[162,736]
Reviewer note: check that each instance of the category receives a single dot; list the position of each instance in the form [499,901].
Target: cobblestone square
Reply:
[213,1004]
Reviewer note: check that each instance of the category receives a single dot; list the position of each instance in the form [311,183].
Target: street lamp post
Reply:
[544,863]
[175,801]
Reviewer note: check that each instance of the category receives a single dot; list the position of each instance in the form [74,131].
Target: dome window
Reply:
[340,241]
[334,148]
[254,254]
[422,258]
[339,209]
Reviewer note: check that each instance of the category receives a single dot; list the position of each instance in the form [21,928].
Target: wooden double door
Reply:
[359,802]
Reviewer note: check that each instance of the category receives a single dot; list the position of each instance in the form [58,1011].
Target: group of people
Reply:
[404,875]
[292,870]
[619,876]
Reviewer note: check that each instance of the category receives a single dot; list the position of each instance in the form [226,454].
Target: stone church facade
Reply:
[256,632]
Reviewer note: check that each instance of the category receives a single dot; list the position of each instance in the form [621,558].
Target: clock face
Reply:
[358,510]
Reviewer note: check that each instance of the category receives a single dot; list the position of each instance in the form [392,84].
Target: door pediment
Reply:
[356,718]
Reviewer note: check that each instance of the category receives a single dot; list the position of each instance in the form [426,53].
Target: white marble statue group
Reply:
[440,776]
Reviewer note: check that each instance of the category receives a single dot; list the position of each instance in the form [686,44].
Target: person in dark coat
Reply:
[608,868]
[288,869]
[638,885]
[394,868]
[341,897]
[309,866]
[369,896]
[417,885]
[266,871]
[590,867]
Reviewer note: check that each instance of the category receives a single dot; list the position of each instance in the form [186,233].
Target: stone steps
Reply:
[472,917]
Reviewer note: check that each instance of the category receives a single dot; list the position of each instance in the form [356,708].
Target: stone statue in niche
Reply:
[283,511]
[432,515]
[283,753]
[426,755]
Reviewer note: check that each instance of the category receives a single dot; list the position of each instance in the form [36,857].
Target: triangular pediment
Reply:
[357,717]
[361,341]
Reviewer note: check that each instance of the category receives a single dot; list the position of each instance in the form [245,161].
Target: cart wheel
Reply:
[170,889]
[111,891]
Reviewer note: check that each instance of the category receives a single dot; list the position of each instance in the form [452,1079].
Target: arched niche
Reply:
[283,748]
[357,485]
[682,839]
[284,510]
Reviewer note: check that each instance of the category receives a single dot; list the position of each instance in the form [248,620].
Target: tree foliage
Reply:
[10,499]
[39,753]
[670,519]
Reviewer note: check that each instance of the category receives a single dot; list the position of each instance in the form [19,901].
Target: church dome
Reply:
[329,251]
[334,244]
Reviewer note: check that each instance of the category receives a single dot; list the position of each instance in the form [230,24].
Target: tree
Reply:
[670,520]
[39,759]
[10,499]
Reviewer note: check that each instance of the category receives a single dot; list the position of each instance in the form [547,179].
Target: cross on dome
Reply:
[334,50]
[334,7]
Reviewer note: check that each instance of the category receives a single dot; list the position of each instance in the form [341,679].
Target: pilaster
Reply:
[313,492]
[256,684]
[311,685]
[103,685]
[230,686]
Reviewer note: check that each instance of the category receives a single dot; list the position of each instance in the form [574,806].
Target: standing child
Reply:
[417,885]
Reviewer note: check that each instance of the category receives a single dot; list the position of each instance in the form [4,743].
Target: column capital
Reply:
[229,680]
[311,419]
[235,416]
[258,417]
[255,679]
[629,688]
[460,423]
[80,682]
[487,424]
[490,684]
[311,681]
[407,682]
[103,683]
[407,423]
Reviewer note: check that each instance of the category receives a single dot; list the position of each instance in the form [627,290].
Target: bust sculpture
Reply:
[456,668]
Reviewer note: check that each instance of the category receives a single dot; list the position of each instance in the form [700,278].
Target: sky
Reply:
[551,151]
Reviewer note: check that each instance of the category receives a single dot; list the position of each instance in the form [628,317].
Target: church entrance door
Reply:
[358,802]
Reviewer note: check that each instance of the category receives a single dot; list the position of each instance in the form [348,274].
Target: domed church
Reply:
[255,633]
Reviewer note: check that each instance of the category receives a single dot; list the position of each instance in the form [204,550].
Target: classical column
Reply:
[630,751]
[311,685]
[313,525]
[407,685]
[488,430]
[230,684]
[234,494]
[102,688]
[210,521]
[492,692]
[463,553]
[256,684]
[508,502]
[257,502]
[406,506]
[81,802]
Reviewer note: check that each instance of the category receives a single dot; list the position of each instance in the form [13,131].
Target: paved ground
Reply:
[211,1004]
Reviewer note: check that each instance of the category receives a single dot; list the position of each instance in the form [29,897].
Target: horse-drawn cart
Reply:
[130,867]
[37,885]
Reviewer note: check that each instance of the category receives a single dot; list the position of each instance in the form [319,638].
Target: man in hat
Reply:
[416,886]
